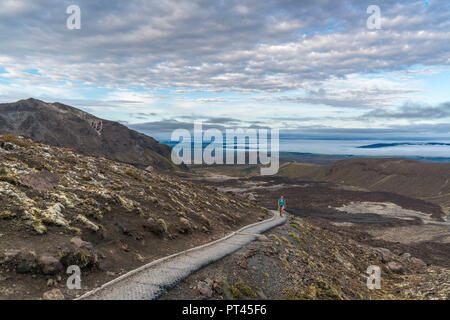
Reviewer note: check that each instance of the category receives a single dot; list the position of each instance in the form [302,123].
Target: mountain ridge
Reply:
[61,125]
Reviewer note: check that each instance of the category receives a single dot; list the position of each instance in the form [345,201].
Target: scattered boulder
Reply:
[418,262]
[9,255]
[250,196]
[395,267]
[6,146]
[385,254]
[157,227]
[79,243]
[54,294]
[27,263]
[21,261]
[25,267]
[49,265]
[217,285]
[185,226]
[205,289]
[205,229]
[405,255]
[243,264]
[209,282]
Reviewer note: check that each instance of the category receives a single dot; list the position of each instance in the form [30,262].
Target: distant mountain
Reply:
[397,144]
[64,126]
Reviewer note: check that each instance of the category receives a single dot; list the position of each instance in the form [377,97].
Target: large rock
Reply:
[185,226]
[81,257]
[27,263]
[79,243]
[205,289]
[20,261]
[384,254]
[418,262]
[405,255]
[395,267]
[49,265]
[157,227]
[54,294]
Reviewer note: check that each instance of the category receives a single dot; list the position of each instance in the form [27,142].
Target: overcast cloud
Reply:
[245,62]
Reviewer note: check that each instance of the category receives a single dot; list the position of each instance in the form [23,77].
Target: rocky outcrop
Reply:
[64,126]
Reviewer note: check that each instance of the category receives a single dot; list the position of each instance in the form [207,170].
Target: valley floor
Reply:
[335,232]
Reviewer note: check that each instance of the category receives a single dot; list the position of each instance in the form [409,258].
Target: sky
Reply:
[313,69]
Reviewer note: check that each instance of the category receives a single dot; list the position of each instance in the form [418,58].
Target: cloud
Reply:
[411,111]
[345,97]
[232,45]
[290,64]
[419,132]
[163,129]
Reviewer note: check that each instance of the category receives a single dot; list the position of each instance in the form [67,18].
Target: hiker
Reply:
[281,205]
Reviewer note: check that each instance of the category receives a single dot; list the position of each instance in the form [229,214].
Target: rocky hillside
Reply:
[64,126]
[59,208]
[423,180]
[305,259]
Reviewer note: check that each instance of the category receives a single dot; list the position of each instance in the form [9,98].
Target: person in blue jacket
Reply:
[281,205]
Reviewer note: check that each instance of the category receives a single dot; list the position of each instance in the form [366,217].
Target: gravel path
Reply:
[150,281]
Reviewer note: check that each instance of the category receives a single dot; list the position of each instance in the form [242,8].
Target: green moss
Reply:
[288,243]
[285,263]
[226,288]
[245,290]
[76,231]
[163,225]
[16,140]
[39,227]
[139,211]
[309,293]
[11,179]
[133,174]
[82,258]
[235,293]
[297,237]
[331,294]
[274,237]
[86,177]
[7,214]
